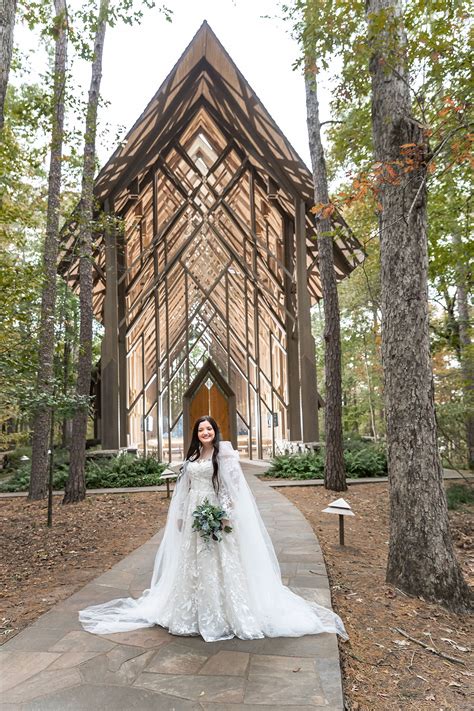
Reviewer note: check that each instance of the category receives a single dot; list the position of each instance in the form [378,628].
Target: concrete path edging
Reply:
[259,464]
[54,665]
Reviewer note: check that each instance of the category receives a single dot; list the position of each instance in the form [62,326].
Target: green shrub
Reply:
[366,461]
[371,461]
[121,471]
[124,470]
[298,466]
[459,494]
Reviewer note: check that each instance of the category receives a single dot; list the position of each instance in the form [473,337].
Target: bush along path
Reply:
[122,471]
[359,460]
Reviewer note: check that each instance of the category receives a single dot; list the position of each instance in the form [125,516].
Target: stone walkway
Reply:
[54,665]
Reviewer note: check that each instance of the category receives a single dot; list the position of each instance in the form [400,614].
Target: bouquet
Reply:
[208,521]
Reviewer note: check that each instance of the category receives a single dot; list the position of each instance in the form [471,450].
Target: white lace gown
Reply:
[210,595]
[232,587]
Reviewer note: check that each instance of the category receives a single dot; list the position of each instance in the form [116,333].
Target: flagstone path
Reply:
[54,665]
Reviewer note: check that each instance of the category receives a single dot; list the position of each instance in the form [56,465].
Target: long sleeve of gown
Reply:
[228,459]
[184,482]
[225,501]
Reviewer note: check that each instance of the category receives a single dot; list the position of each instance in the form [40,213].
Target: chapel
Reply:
[205,280]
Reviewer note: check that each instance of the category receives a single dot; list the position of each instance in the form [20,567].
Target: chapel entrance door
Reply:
[210,394]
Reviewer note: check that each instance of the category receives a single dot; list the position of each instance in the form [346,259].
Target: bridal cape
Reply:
[232,589]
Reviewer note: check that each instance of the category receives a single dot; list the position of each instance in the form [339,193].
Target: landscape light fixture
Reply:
[342,508]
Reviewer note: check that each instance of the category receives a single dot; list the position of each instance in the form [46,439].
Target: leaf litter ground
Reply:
[383,669]
[40,567]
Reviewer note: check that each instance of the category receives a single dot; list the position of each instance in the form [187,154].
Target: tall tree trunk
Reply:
[66,368]
[421,559]
[334,473]
[370,391]
[42,418]
[465,347]
[7,23]
[75,486]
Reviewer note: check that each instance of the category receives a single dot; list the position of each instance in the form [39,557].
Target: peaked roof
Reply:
[205,74]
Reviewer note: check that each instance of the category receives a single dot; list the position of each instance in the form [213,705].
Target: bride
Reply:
[216,589]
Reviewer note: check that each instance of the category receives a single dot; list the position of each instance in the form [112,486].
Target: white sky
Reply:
[137,59]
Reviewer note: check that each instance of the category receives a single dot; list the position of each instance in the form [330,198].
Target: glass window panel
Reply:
[266,391]
[151,432]
[242,437]
[177,451]
[150,394]
[218,357]
[239,386]
[135,374]
[178,387]
[135,426]
[150,352]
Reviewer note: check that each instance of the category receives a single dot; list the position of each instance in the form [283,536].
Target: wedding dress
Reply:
[231,588]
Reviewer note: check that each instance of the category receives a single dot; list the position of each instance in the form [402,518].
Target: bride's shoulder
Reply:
[226,449]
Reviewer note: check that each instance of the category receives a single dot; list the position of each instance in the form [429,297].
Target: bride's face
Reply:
[206,432]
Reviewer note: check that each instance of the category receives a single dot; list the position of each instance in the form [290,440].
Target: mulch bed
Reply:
[40,566]
[382,669]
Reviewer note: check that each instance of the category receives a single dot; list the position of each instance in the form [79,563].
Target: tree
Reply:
[334,474]
[421,558]
[7,23]
[75,489]
[42,419]
[465,344]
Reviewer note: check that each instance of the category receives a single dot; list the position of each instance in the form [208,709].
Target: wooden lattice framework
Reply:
[216,260]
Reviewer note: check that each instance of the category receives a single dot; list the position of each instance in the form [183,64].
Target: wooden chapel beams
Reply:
[292,357]
[159,408]
[109,350]
[122,336]
[253,226]
[267,357]
[309,392]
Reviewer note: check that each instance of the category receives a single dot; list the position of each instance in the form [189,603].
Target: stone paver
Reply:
[54,665]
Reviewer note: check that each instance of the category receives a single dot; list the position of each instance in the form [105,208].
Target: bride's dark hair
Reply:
[195,447]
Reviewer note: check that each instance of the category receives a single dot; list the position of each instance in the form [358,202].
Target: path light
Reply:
[342,508]
[24,458]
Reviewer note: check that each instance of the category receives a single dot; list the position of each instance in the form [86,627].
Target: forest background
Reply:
[440,83]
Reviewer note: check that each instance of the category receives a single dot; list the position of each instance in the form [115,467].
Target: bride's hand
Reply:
[225,522]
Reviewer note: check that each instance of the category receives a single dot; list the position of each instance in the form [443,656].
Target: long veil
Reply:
[125,614]
[281,612]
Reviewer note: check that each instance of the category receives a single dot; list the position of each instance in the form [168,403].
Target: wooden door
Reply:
[211,402]
[219,409]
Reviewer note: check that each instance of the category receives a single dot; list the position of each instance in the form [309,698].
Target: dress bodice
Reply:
[200,474]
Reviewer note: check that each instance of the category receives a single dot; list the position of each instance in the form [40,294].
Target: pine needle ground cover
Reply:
[382,669]
[41,566]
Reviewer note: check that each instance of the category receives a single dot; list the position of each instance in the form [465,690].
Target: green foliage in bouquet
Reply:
[208,521]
